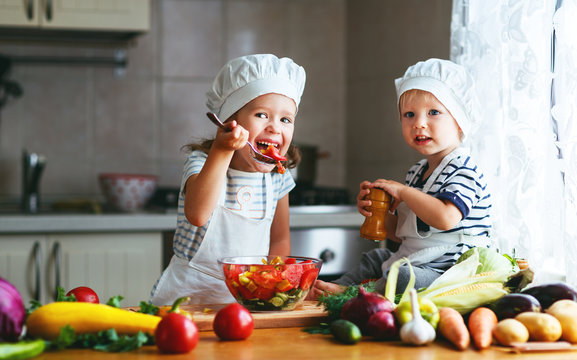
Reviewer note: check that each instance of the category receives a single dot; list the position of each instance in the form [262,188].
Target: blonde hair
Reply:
[408,95]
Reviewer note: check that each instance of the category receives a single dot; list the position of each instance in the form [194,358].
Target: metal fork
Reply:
[255,153]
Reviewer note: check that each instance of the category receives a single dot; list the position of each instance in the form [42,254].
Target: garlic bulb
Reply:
[417,331]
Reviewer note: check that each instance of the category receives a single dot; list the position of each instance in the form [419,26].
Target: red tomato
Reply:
[273,153]
[290,261]
[267,278]
[308,278]
[263,293]
[232,271]
[293,274]
[84,294]
[308,264]
[176,334]
[233,322]
[245,293]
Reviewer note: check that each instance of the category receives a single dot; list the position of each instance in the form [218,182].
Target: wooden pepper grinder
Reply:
[374,226]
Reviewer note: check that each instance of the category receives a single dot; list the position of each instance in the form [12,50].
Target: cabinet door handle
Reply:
[48,9]
[37,260]
[56,254]
[30,9]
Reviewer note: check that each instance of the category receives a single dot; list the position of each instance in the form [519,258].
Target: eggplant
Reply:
[512,304]
[547,294]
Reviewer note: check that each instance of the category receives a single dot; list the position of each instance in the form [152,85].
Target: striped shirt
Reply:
[245,193]
[462,183]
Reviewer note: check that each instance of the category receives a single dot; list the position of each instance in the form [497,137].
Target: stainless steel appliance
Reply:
[332,238]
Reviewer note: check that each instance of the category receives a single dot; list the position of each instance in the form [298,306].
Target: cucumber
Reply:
[22,350]
[277,301]
[345,331]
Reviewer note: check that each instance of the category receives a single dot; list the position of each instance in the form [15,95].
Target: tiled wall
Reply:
[86,120]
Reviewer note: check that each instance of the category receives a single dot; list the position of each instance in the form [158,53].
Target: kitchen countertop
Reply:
[52,222]
[293,343]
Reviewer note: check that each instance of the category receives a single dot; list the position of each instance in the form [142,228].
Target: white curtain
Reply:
[523,54]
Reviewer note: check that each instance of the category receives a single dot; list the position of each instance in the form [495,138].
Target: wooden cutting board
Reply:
[309,314]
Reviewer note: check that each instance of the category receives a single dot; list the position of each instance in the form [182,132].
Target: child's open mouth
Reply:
[422,139]
[263,145]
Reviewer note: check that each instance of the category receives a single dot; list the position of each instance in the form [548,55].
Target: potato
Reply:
[509,331]
[541,326]
[566,312]
[568,322]
[562,305]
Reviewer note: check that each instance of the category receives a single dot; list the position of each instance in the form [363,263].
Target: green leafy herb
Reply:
[148,308]
[115,301]
[62,295]
[334,303]
[33,306]
[108,341]
[65,339]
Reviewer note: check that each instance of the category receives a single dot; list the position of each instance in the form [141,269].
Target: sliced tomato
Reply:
[263,293]
[280,168]
[290,261]
[293,274]
[231,271]
[308,278]
[309,264]
[272,152]
[267,278]
[245,293]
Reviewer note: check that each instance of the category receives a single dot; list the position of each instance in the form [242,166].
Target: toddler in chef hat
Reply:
[443,207]
[229,203]
[450,84]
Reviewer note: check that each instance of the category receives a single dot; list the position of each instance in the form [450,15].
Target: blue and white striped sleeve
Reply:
[193,164]
[463,185]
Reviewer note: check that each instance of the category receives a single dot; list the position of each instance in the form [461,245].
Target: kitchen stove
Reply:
[332,235]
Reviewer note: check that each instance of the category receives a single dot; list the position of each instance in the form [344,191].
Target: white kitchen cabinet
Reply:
[99,15]
[112,264]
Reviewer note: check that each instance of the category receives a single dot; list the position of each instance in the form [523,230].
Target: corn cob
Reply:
[466,298]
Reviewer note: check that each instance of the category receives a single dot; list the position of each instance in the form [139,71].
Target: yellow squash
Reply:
[47,320]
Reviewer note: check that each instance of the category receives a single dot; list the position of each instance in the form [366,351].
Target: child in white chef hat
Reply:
[229,203]
[443,207]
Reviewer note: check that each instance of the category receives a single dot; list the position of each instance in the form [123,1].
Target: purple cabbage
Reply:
[12,312]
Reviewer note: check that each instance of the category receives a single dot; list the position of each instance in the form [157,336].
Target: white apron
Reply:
[228,234]
[422,248]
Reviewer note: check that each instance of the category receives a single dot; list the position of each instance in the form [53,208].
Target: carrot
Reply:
[452,327]
[482,321]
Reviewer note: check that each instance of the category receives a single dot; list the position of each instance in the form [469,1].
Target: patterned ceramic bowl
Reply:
[127,192]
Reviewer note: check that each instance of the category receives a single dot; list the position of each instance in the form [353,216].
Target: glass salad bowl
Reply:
[270,283]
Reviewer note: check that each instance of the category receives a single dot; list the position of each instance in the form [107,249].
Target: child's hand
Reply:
[394,189]
[234,138]
[362,204]
[323,288]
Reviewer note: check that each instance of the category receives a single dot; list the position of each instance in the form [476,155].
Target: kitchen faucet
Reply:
[32,166]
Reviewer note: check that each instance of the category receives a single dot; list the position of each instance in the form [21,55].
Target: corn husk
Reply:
[463,288]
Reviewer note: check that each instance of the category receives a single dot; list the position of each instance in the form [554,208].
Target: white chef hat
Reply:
[450,83]
[248,77]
